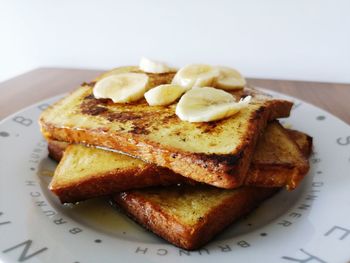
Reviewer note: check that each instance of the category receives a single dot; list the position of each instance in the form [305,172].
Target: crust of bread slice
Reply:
[189,217]
[216,153]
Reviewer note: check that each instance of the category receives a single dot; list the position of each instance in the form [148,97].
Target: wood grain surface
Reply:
[43,83]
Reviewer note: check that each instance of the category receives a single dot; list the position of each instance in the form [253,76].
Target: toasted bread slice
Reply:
[190,216]
[216,153]
[86,172]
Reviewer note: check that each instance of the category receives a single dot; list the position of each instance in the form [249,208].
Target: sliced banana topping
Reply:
[208,104]
[229,79]
[164,94]
[196,75]
[152,66]
[122,88]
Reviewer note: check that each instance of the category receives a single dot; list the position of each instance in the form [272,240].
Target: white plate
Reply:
[311,224]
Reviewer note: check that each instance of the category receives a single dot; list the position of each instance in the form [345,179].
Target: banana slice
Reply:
[164,94]
[208,104]
[152,66]
[229,79]
[122,88]
[196,75]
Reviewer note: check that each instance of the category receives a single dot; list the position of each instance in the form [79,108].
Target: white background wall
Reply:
[291,39]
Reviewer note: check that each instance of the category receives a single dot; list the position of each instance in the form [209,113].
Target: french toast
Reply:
[86,172]
[217,153]
[220,133]
[190,216]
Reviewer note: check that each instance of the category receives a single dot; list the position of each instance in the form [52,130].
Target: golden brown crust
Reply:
[152,215]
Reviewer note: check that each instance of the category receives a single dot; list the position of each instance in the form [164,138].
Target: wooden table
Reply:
[39,84]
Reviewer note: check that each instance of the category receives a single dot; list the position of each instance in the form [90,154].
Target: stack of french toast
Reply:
[184,153]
